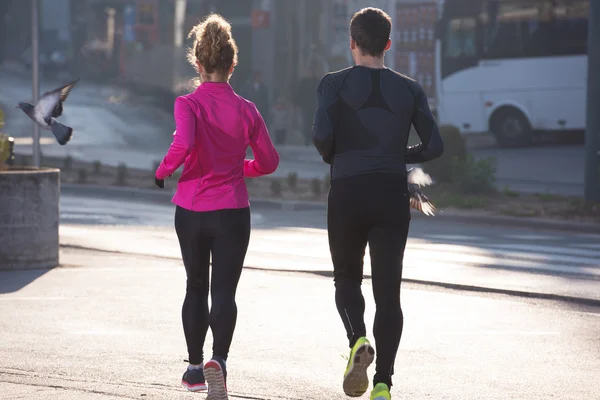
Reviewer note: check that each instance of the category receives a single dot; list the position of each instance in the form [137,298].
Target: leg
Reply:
[347,243]
[229,251]
[195,251]
[387,241]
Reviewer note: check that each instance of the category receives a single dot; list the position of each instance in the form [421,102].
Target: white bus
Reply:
[512,67]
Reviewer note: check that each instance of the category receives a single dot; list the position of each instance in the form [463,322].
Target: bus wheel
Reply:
[511,128]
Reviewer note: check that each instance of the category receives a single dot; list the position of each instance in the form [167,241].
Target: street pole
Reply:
[592,135]
[35,69]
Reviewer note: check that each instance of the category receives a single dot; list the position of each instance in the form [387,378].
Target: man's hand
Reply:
[159,182]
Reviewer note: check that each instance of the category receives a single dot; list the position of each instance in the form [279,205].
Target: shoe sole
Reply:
[356,382]
[215,380]
[194,388]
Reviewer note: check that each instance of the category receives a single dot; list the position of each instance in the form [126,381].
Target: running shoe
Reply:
[216,377]
[356,381]
[193,380]
[381,391]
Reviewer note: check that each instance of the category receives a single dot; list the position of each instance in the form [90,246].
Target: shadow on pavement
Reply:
[13,281]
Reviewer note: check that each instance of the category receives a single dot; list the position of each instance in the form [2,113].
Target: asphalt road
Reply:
[549,262]
[107,326]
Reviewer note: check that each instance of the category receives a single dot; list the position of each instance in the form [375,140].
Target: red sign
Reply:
[260,19]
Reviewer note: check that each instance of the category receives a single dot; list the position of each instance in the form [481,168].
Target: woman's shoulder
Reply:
[248,106]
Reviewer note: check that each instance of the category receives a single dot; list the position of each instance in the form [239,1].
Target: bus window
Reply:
[461,38]
[523,29]
[571,27]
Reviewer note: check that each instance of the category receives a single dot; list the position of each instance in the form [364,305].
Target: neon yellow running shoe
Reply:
[356,381]
[381,392]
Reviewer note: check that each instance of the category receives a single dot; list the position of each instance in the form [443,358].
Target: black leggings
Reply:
[371,209]
[224,234]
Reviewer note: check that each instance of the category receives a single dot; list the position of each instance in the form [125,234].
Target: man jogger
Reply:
[361,129]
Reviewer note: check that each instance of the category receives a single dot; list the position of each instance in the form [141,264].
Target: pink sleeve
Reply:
[266,158]
[183,139]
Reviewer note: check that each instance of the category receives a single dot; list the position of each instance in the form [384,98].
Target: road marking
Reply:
[531,237]
[454,237]
[546,249]
[491,251]
[588,245]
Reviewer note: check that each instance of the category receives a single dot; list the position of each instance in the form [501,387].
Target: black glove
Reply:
[159,182]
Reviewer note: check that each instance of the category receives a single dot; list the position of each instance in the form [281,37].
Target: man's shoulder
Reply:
[412,83]
[338,74]
[335,78]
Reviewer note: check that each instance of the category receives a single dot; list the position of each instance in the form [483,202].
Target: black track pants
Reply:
[371,209]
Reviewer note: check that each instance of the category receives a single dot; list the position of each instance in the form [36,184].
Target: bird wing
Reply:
[46,104]
[59,95]
[63,91]
[418,177]
[422,204]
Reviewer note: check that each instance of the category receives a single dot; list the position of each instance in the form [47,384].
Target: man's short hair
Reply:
[370,28]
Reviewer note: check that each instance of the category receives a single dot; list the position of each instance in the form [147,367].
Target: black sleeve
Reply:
[325,118]
[431,146]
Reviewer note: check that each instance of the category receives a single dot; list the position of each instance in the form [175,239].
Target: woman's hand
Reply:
[159,182]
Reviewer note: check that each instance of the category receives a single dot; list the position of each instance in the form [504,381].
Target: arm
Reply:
[266,158]
[183,139]
[431,146]
[325,118]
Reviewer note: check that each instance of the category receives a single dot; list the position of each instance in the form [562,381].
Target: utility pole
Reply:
[35,70]
[180,7]
[592,135]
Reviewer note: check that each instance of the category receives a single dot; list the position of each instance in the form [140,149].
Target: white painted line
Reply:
[503,255]
[547,249]
[425,258]
[454,237]
[532,237]
[595,246]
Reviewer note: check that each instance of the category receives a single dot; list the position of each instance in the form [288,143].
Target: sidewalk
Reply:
[109,326]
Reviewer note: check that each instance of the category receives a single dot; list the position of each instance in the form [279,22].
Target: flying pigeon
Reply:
[49,107]
[417,178]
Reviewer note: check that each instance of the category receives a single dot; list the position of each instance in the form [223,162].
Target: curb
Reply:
[165,196]
[446,285]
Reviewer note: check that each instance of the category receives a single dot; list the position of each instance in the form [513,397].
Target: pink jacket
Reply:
[215,126]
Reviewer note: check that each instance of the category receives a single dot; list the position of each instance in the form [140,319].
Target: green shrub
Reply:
[4,150]
[474,176]
[455,151]
[509,193]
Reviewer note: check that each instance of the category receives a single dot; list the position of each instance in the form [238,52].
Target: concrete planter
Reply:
[29,217]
